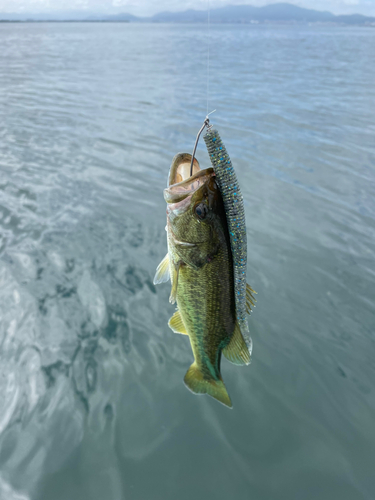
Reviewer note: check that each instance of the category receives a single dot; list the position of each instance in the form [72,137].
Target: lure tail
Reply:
[198,383]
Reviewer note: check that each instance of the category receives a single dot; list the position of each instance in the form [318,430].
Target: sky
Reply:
[150,7]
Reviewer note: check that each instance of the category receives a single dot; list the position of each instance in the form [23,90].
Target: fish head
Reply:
[195,211]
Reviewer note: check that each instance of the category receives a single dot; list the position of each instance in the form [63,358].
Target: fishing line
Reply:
[206,121]
[208,50]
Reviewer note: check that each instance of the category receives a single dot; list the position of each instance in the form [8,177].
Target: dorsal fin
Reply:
[176,324]
[162,271]
[236,351]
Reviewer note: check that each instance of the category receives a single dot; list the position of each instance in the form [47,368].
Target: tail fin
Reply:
[195,381]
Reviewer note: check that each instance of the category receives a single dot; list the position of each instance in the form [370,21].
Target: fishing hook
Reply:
[206,123]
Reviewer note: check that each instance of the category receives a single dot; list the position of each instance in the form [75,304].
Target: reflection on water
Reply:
[93,404]
[75,338]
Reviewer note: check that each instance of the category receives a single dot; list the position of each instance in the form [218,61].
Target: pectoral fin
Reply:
[162,271]
[173,295]
[236,351]
[249,298]
[176,324]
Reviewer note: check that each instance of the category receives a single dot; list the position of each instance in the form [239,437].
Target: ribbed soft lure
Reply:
[235,213]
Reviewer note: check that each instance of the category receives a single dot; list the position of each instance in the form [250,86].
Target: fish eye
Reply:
[201,211]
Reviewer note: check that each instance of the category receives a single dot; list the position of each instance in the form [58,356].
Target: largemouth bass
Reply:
[200,265]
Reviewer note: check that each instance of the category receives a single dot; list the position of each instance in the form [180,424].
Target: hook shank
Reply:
[205,124]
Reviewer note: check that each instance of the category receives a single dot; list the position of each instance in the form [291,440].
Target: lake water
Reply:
[93,404]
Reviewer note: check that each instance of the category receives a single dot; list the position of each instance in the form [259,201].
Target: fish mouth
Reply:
[180,184]
[180,168]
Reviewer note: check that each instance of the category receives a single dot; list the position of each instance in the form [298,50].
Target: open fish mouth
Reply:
[180,168]
[180,184]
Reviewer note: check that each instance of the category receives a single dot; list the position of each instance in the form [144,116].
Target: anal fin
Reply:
[162,274]
[237,351]
[176,324]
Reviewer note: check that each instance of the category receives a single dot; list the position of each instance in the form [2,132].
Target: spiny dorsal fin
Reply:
[199,384]
[236,351]
[162,271]
[249,298]
[176,324]
[173,295]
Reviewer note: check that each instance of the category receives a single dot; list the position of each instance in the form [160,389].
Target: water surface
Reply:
[93,405]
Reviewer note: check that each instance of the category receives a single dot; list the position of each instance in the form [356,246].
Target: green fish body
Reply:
[200,265]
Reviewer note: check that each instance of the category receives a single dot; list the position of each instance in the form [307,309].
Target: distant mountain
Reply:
[246,14]
[68,16]
[274,13]
[278,12]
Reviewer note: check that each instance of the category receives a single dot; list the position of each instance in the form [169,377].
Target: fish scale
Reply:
[235,214]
